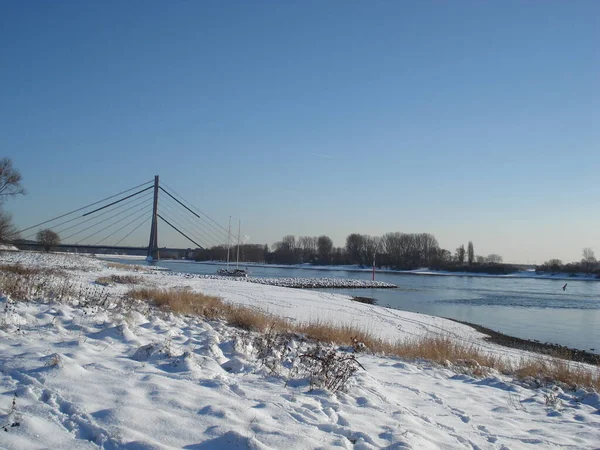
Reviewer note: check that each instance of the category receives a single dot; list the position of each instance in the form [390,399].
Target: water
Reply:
[526,308]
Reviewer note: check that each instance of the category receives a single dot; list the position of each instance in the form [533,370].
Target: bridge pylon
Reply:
[153,242]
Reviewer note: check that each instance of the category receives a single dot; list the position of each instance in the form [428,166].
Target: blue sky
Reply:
[470,120]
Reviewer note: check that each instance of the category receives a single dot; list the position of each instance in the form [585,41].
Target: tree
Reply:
[588,255]
[324,249]
[10,185]
[589,259]
[355,244]
[48,239]
[8,232]
[470,253]
[494,259]
[460,254]
[10,180]
[553,265]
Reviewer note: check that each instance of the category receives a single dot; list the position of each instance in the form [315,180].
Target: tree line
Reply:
[588,264]
[394,250]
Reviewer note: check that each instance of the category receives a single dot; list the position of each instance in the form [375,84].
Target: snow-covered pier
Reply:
[302,283]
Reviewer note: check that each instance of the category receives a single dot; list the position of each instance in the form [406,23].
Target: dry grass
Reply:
[439,349]
[118,279]
[568,372]
[24,283]
[18,269]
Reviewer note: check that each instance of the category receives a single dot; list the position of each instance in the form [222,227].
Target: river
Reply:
[527,308]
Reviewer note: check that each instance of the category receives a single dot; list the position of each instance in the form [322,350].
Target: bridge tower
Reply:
[153,243]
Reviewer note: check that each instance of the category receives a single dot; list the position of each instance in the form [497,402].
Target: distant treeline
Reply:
[588,264]
[401,251]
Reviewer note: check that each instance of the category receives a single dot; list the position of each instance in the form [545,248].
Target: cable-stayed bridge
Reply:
[105,225]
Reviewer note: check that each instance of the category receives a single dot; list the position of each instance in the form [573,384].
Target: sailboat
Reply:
[237,272]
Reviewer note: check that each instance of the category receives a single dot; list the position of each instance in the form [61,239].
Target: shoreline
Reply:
[505,340]
[546,348]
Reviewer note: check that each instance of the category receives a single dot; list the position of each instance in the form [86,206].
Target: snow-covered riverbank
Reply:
[82,381]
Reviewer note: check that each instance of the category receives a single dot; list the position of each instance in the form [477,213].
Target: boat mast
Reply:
[228,242]
[238,246]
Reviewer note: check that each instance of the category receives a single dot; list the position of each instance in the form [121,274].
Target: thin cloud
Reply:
[322,155]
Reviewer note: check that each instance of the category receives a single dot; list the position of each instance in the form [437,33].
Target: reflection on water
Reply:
[526,308]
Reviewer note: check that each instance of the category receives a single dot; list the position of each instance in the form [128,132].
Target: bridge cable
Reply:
[207,227]
[181,216]
[197,209]
[103,229]
[144,198]
[96,224]
[118,201]
[205,231]
[175,228]
[124,226]
[127,235]
[84,207]
[176,217]
[186,230]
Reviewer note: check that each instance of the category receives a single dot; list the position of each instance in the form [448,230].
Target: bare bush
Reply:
[118,279]
[329,368]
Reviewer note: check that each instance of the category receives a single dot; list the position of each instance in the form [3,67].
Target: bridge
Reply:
[101,227]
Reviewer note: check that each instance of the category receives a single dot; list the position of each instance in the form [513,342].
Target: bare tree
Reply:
[494,259]
[588,255]
[554,265]
[308,248]
[470,253]
[10,180]
[355,248]
[48,239]
[10,185]
[460,254]
[8,232]
[324,249]
[589,259]
[371,245]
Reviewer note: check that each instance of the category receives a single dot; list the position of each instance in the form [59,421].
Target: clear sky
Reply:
[471,120]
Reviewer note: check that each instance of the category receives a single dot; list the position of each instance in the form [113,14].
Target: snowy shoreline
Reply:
[86,377]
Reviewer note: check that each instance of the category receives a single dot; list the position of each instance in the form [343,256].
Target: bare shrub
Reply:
[274,349]
[118,279]
[329,368]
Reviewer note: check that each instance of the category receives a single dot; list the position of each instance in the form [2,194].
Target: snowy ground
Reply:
[138,379]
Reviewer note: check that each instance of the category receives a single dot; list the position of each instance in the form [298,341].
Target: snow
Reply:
[141,379]
[304,283]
